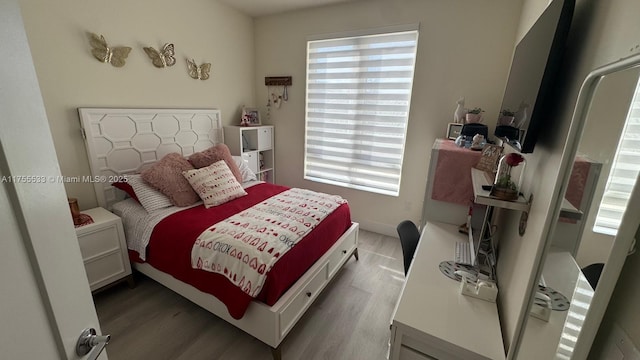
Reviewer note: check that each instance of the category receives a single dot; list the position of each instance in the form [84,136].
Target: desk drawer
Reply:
[410,354]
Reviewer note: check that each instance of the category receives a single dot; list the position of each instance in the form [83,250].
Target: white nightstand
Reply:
[104,250]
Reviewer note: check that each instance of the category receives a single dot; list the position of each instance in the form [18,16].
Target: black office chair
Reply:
[592,273]
[409,236]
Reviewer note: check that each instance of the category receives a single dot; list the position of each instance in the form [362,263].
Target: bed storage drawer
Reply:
[301,302]
[341,255]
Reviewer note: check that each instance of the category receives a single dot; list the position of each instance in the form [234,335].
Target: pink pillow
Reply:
[166,176]
[214,154]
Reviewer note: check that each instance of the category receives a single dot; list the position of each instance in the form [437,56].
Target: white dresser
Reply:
[104,250]
[432,320]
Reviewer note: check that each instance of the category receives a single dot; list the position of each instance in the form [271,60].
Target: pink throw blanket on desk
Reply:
[452,178]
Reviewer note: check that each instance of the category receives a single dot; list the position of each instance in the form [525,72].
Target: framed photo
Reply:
[453,130]
[250,116]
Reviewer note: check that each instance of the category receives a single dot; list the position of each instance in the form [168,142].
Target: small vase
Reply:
[508,181]
[75,210]
[506,120]
[473,118]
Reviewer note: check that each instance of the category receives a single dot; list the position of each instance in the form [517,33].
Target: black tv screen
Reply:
[536,61]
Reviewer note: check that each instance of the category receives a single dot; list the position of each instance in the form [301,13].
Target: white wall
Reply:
[70,77]
[464,49]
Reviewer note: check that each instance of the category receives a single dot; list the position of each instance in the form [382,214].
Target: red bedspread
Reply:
[169,249]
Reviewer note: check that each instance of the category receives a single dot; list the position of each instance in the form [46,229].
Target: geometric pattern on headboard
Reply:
[126,141]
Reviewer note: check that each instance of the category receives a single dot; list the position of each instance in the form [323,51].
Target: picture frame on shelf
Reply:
[453,130]
[489,159]
[250,117]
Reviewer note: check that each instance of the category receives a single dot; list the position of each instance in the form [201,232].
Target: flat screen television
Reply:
[532,77]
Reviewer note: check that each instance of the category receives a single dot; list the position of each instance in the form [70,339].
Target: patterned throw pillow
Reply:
[150,198]
[215,184]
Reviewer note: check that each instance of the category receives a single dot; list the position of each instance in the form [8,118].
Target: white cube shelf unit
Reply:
[255,145]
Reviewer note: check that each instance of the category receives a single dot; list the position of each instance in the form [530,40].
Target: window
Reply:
[623,174]
[357,109]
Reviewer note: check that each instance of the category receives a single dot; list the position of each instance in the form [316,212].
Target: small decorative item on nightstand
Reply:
[508,181]
[104,250]
[75,210]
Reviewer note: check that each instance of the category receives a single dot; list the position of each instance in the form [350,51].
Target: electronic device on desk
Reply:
[466,252]
[463,254]
[482,289]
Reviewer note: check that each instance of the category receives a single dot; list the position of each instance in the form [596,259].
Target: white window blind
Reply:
[357,109]
[623,174]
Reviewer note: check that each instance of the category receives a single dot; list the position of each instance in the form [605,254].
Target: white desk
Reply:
[556,339]
[432,319]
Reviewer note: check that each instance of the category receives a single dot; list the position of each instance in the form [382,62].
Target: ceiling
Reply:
[257,8]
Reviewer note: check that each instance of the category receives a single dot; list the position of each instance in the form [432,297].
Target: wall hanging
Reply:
[164,57]
[198,72]
[113,55]
[273,97]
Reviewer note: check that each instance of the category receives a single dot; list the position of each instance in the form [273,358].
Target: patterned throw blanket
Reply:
[245,246]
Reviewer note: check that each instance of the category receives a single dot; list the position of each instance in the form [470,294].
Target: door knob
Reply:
[89,341]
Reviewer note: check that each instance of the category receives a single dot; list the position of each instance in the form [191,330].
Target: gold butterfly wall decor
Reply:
[198,72]
[162,58]
[114,55]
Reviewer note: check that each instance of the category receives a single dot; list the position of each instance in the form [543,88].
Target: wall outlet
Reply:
[619,346]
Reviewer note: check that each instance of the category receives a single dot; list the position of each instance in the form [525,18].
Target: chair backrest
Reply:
[409,237]
[592,273]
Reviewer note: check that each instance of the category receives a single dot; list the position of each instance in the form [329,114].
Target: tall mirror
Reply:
[591,235]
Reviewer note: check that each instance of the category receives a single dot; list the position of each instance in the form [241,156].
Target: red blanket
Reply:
[172,239]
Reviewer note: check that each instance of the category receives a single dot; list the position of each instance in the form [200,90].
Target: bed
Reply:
[124,141]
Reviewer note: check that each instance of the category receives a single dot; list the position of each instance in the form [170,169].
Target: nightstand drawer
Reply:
[103,249]
[99,242]
[103,270]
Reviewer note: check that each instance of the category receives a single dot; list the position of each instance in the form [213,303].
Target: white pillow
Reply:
[215,184]
[247,174]
[150,198]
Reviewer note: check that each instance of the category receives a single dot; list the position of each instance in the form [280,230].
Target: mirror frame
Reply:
[622,242]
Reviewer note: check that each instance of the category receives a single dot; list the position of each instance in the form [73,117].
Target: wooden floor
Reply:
[349,320]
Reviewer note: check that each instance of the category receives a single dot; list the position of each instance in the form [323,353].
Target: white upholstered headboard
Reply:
[125,141]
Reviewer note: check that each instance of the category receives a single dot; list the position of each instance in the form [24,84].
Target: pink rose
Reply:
[514,159]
